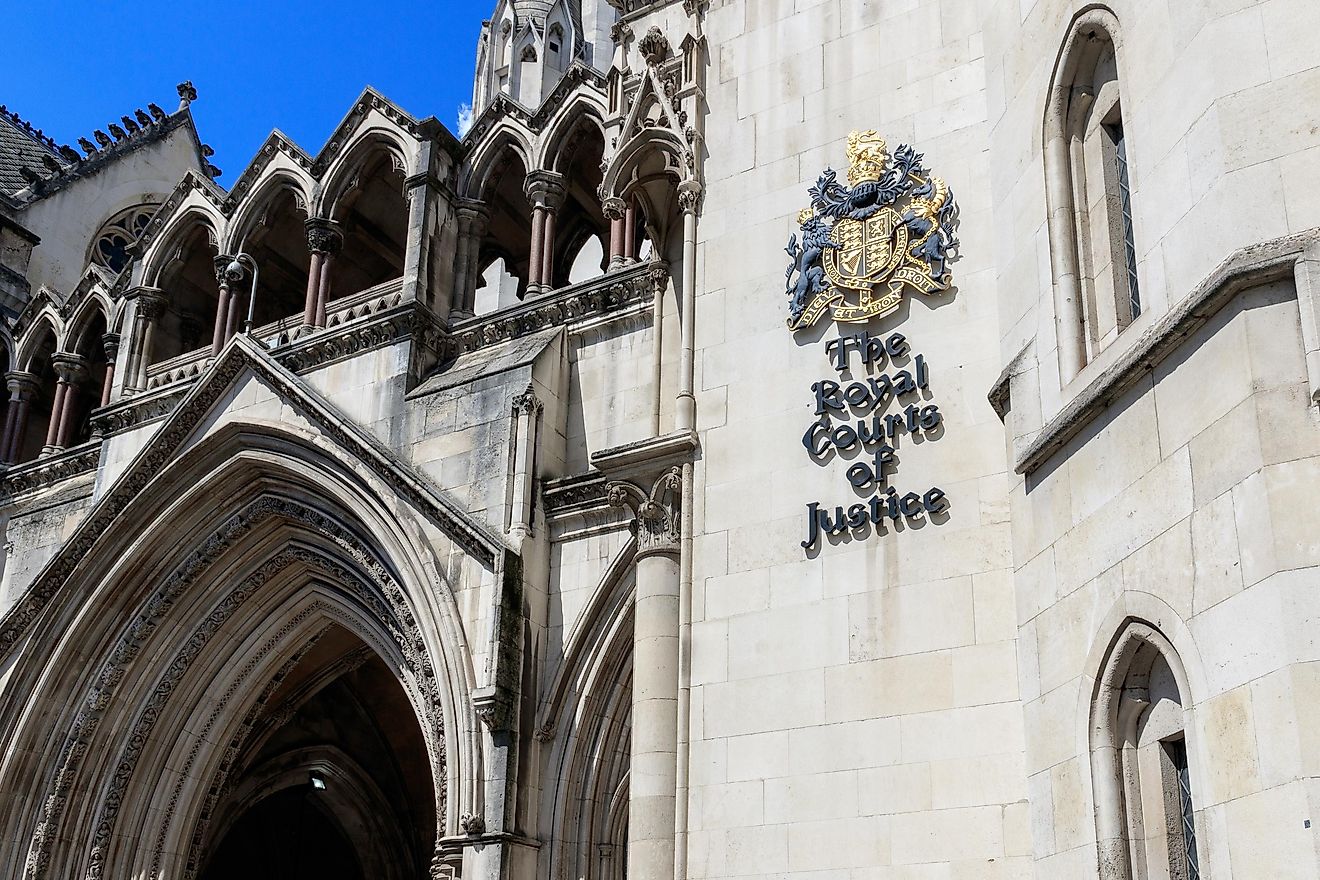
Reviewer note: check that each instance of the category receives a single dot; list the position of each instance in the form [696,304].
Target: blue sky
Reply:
[71,68]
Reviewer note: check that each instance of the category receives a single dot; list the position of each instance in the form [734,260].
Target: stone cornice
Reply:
[645,458]
[48,470]
[1249,267]
[609,293]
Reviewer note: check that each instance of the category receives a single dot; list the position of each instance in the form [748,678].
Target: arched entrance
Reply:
[332,781]
[277,656]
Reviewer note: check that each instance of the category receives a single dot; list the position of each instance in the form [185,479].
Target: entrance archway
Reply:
[245,640]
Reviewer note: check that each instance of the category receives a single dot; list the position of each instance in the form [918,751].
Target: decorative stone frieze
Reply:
[50,470]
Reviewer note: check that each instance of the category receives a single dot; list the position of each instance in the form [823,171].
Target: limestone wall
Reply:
[854,707]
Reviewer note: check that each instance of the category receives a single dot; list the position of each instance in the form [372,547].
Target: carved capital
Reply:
[323,236]
[150,303]
[21,384]
[110,343]
[545,188]
[70,368]
[472,824]
[658,272]
[223,276]
[614,208]
[527,403]
[657,514]
[689,197]
[654,47]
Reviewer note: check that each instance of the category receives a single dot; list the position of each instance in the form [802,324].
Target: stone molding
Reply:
[600,296]
[384,596]
[1246,268]
[469,534]
[47,470]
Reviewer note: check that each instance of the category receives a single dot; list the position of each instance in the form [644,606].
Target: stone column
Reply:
[22,389]
[146,316]
[72,372]
[689,200]
[548,249]
[473,220]
[653,767]
[527,411]
[545,190]
[224,305]
[630,231]
[110,342]
[534,260]
[616,212]
[324,240]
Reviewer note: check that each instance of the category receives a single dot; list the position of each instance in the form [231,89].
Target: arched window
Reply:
[554,47]
[1141,772]
[1089,187]
[110,245]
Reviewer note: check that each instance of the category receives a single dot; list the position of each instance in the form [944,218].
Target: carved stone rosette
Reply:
[657,514]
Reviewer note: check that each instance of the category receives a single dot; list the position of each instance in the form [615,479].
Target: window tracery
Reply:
[110,247]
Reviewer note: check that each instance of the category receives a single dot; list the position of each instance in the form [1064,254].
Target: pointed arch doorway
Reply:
[332,780]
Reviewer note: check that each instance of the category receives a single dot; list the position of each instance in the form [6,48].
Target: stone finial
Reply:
[187,94]
[156,113]
[654,47]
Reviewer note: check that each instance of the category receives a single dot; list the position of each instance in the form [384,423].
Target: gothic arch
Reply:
[295,500]
[258,200]
[341,174]
[1128,710]
[177,229]
[34,337]
[588,717]
[486,156]
[585,106]
[95,304]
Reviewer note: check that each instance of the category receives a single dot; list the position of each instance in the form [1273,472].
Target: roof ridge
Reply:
[37,136]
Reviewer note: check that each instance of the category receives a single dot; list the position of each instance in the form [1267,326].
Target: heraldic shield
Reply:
[892,228]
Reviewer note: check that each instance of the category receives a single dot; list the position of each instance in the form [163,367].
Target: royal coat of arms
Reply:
[891,228]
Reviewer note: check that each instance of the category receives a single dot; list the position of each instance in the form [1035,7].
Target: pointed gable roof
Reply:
[242,358]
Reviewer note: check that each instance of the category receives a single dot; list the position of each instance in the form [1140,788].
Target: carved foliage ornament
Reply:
[657,515]
[892,226]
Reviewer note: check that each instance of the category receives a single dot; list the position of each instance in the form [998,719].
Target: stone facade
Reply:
[464,505]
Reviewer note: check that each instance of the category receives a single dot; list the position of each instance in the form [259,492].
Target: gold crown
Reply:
[867,156]
[804,215]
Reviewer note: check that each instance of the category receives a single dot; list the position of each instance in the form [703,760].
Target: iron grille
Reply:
[1178,755]
[1125,205]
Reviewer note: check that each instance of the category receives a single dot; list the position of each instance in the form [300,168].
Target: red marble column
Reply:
[548,250]
[615,212]
[534,263]
[324,240]
[71,370]
[110,342]
[630,232]
[22,388]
